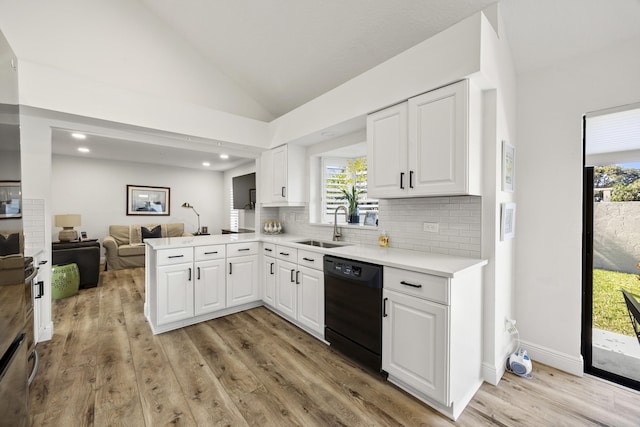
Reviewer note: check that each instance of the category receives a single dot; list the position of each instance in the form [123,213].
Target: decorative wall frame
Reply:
[508,166]
[148,201]
[371,218]
[507,221]
[10,200]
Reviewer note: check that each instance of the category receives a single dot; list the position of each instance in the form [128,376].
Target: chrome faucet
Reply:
[336,232]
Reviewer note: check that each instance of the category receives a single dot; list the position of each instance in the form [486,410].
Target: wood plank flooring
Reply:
[103,367]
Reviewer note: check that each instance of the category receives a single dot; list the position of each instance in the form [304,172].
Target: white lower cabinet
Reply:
[414,347]
[175,293]
[209,286]
[431,336]
[187,285]
[299,288]
[242,273]
[311,298]
[269,274]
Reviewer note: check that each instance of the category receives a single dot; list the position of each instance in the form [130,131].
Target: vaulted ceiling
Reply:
[267,57]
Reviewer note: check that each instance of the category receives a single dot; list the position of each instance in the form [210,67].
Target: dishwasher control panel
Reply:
[348,269]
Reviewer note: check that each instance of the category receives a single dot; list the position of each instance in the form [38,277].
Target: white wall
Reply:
[96,189]
[551,103]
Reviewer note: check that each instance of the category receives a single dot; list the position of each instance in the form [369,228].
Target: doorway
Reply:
[611,221]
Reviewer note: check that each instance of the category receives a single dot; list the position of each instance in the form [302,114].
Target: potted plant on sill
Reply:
[351,196]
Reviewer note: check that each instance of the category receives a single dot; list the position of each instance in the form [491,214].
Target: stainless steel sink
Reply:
[321,244]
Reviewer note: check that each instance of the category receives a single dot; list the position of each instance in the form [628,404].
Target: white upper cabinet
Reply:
[425,146]
[282,172]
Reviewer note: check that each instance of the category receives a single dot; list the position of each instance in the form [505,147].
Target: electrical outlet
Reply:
[510,326]
[431,227]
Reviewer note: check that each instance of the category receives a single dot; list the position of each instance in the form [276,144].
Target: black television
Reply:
[244,191]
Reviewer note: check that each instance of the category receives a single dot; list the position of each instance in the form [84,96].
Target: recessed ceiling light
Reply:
[206,164]
[83,149]
[224,156]
[79,135]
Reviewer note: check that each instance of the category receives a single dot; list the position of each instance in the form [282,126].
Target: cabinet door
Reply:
[415,344]
[242,280]
[209,290]
[175,293]
[387,174]
[438,143]
[269,277]
[311,298]
[286,292]
[279,174]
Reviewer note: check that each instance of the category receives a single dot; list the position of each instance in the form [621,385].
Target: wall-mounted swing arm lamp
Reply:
[188,206]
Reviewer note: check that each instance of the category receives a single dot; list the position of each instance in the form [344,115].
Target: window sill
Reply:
[345,225]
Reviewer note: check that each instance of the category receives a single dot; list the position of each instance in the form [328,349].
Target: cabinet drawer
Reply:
[287,253]
[242,249]
[175,256]
[310,259]
[422,285]
[269,249]
[209,252]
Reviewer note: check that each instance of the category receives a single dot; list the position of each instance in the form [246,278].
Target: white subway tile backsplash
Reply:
[458,218]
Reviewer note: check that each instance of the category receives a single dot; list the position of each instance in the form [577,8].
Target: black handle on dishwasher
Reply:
[384,307]
[413,285]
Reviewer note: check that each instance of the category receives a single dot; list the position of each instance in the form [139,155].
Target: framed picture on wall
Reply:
[10,200]
[147,201]
[508,166]
[507,221]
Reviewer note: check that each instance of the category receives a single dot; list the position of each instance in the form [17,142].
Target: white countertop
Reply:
[424,262]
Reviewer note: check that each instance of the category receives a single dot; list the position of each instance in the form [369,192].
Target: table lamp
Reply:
[187,205]
[67,222]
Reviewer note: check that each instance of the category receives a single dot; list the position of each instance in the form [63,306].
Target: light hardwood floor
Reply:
[104,367]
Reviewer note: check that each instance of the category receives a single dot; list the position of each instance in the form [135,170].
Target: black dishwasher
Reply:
[353,309]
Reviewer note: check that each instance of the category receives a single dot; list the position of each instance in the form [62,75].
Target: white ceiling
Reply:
[284,53]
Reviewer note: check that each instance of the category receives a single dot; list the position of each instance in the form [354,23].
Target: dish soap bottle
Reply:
[383,239]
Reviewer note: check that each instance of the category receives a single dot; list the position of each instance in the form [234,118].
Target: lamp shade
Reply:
[67,221]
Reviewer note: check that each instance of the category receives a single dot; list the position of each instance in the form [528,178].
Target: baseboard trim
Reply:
[46,333]
[562,361]
[492,374]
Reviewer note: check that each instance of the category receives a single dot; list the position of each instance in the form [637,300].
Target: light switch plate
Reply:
[431,227]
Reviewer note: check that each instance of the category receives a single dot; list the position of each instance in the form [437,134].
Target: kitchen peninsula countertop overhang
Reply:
[424,262]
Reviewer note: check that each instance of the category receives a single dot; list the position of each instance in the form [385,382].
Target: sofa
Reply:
[124,246]
[86,255]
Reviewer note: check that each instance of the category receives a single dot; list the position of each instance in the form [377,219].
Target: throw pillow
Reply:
[151,234]
[9,245]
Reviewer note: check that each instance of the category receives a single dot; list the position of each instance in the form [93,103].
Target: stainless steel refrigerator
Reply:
[15,300]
